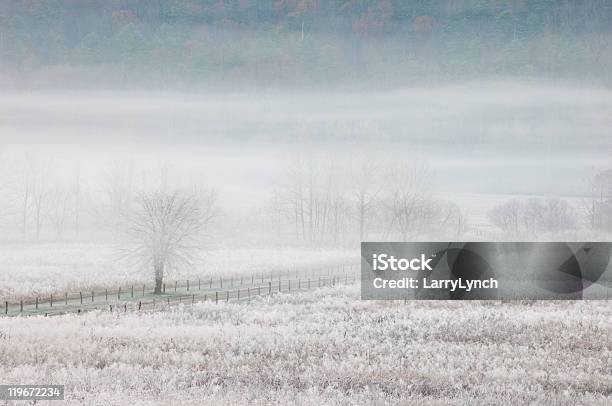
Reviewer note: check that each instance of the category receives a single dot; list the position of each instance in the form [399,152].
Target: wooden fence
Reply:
[140,297]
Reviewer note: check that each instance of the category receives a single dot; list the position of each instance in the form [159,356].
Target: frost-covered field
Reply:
[27,270]
[324,346]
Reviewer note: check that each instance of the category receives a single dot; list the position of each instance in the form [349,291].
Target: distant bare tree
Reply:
[25,196]
[119,192]
[453,220]
[31,190]
[77,200]
[507,217]
[40,193]
[409,203]
[58,209]
[598,206]
[164,230]
[366,192]
[550,215]
[516,218]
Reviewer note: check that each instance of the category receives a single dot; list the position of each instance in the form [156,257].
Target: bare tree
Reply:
[409,204]
[25,196]
[366,194]
[507,217]
[516,218]
[58,209]
[164,230]
[77,200]
[598,206]
[40,193]
[452,220]
[119,192]
[551,215]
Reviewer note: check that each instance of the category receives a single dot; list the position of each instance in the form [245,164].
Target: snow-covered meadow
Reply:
[42,269]
[323,346]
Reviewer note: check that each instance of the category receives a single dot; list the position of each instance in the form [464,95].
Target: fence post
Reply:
[132,290]
[249,293]
[143,289]
[227,296]
[36,302]
[154,303]
[106,294]
[269,288]
[205,297]
[199,284]
[139,305]
[241,280]
[66,298]
[119,293]
[21,305]
[110,308]
[192,299]
[164,287]
[259,291]
[6,307]
[50,302]
[125,307]
[279,283]
[92,296]
[221,282]
[187,285]
[299,284]
[81,297]
[175,285]
[216,297]
[252,279]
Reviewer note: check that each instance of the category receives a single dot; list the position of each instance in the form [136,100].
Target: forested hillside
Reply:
[287,42]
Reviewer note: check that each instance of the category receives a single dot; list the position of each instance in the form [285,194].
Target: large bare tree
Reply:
[165,229]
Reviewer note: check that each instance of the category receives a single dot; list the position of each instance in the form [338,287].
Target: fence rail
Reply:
[140,297]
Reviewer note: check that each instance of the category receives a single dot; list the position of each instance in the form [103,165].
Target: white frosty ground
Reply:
[321,347]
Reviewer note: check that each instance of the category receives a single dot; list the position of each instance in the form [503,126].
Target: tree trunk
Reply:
[159,278]
[38,221]
[25,211]
[361,218]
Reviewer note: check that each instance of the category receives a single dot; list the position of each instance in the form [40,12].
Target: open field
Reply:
[321,346]
[43,269]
